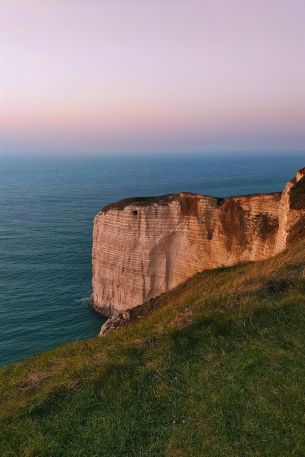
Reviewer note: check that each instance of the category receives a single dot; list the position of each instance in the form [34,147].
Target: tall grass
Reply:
[217,369]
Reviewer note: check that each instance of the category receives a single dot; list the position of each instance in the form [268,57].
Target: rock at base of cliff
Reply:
[104,311]
[117,320]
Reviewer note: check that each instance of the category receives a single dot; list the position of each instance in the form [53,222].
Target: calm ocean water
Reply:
[46,212]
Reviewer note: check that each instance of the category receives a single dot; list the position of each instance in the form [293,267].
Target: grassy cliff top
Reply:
[146,201]
[181,197]
[216,369]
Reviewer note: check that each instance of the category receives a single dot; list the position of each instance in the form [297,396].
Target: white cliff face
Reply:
[144,248]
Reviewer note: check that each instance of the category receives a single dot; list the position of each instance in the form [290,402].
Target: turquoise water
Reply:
[46,212]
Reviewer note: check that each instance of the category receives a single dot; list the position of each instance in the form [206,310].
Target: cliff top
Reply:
[182,197]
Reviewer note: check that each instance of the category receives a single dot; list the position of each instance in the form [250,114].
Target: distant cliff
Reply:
[143,247]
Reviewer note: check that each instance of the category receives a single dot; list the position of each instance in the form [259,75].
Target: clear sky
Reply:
[152,75]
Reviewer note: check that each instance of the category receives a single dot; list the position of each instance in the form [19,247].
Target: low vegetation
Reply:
[217,369]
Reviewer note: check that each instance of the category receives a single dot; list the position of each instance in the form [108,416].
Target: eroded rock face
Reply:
[144,247]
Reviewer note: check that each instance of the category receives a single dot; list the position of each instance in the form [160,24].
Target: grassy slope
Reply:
[218,370]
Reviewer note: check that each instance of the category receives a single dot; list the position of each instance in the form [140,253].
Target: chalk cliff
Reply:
[144,247]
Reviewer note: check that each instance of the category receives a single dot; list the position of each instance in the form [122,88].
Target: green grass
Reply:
[217,370]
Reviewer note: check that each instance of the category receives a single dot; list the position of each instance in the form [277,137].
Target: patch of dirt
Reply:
[183,319]
[33,381]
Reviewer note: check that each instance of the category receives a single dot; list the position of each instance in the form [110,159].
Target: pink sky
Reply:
[143,75]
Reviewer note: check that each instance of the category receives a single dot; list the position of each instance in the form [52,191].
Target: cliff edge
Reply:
[146,246]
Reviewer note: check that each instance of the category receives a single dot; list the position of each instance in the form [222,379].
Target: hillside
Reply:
[216,369]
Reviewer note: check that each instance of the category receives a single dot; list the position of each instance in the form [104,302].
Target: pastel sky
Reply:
[152,75]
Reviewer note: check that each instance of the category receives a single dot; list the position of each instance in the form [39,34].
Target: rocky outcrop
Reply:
[144,247]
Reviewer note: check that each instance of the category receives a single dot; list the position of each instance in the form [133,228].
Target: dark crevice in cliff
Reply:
[297,232]
[297,195]
[267,226]
[189,205]
[234,222]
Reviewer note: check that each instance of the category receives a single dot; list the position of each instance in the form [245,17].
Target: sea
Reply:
[47,205]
